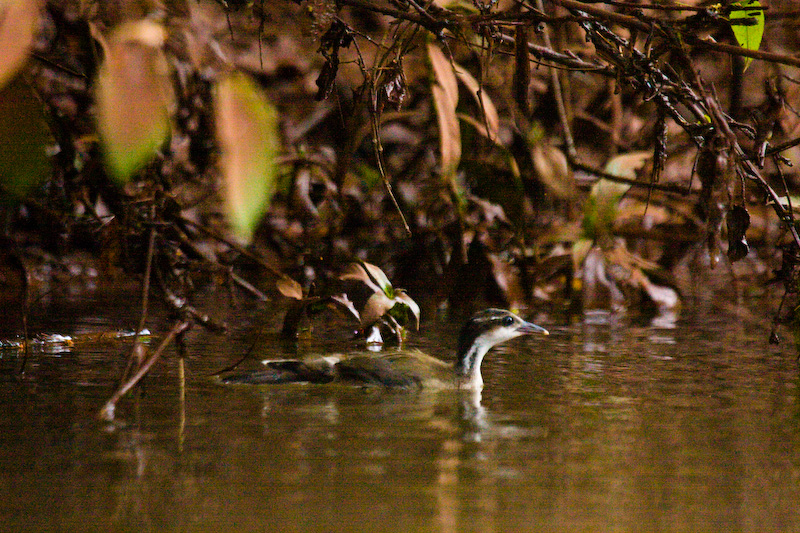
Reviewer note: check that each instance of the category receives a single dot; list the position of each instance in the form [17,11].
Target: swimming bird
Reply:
[401,368]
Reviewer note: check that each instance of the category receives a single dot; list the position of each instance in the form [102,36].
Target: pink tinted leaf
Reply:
[247,133]
[354,271]
[376,307]
[133,98]
[445,98]
[18,22]
[343,302]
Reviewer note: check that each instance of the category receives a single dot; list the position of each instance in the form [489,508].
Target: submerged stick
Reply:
[107,412]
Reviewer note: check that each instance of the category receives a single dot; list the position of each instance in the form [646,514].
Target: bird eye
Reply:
[508,321]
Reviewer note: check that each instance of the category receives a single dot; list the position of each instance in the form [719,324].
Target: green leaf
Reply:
[134,96]
[407,303]
[25,136]
[602,206]
[247,133]
[748,35]
[380,278]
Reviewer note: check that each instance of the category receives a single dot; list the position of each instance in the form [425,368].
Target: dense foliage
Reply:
[563,154]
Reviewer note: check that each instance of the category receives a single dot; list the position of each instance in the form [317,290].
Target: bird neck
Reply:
[468,367]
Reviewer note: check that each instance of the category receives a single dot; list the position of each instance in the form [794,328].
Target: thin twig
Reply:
[370,82]
[664,187]
[632,22]
[569,141]
[137,351]
[107,412]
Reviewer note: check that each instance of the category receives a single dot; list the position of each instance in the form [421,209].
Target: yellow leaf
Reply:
[247,133]
[748,36]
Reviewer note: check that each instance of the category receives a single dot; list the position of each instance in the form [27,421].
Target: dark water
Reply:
[607,427]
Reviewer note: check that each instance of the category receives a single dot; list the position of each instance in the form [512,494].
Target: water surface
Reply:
[613,426]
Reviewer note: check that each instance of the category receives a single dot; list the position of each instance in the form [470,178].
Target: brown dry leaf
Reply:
[664,297]
[507,279]
[445,97]
[18,23]
[552,169]
[134,97]
[599,289]
[289,287]
[491,120]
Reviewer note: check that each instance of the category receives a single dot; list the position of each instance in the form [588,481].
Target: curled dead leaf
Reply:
[491,119]
[552,169]
[445,98]
[738,220]
[289,287]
